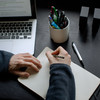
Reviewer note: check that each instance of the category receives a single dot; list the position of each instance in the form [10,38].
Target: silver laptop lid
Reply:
[17,10]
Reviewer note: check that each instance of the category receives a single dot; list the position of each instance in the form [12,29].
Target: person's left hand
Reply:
[19,61]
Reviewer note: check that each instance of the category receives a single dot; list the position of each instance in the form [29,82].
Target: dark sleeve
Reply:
[4,61]
[61,84]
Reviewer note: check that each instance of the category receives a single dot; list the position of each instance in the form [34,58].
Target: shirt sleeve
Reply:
[61,84]
[4,61]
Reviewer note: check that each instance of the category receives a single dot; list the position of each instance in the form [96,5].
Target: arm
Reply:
[62,85]
[4,61]
[13,63]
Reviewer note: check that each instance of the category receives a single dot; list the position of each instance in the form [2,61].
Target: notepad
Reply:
[85,82]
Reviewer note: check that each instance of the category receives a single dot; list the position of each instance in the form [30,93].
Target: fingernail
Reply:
[27,75]
[37,70]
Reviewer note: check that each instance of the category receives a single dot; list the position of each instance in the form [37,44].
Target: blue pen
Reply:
[53,23]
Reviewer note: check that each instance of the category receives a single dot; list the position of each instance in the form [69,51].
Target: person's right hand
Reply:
[21,60]
[60,52]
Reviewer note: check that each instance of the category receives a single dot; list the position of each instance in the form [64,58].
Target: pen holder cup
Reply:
[60,35]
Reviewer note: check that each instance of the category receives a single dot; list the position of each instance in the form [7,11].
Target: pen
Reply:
[53,23]
[54,14]
[55,18]
[55,11]
[58,56]
[52,10]
[77,53]
[58,16]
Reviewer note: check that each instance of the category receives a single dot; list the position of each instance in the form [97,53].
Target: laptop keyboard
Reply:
[15,30]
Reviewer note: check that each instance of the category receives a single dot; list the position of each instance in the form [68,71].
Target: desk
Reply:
[88,46]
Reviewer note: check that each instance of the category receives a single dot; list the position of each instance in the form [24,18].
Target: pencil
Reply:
[58,56]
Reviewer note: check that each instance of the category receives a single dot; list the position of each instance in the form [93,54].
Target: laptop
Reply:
[18,26]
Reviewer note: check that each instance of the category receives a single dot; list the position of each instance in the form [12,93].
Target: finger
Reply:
[29,64]
[60,50]
[34,61]
[69,56]
[56,52]
[49,56]
[21,74]
[27,55]
[24,54]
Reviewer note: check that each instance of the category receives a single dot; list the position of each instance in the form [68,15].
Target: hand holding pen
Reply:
[60,52]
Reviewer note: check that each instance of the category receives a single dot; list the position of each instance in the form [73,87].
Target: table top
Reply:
[87,44]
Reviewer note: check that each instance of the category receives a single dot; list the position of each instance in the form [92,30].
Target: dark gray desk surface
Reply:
[88,46]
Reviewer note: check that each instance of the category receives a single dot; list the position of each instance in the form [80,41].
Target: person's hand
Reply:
[60,52]
[21,60]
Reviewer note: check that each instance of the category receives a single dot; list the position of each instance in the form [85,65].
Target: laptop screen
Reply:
[17,9]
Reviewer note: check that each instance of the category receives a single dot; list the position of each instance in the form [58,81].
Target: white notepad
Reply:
[85,82]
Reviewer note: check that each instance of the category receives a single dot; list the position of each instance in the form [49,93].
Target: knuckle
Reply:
[66,53]
[31,64]
[28,54]
[69,56]
[60,47]
[19,62]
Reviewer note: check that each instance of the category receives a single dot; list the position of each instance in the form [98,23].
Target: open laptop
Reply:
[18,26]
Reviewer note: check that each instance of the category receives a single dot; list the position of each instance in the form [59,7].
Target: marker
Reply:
[62,15]
[65,21]
[55,18]
[52,10]
[55,11]
[53,23]
[58,17]
[77,53]
[59,56]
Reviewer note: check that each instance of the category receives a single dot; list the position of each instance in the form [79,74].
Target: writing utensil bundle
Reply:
[57,18]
